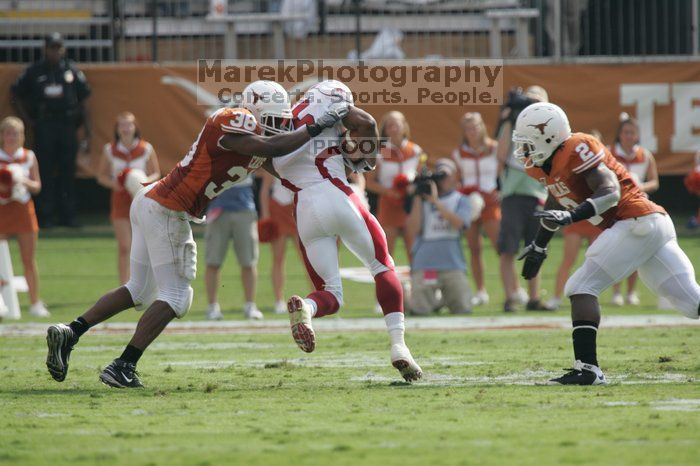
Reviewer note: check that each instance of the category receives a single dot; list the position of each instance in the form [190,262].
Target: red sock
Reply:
[389,292]
[326,302]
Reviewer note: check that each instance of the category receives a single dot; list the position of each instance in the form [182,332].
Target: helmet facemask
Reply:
[526,152]
[276,124]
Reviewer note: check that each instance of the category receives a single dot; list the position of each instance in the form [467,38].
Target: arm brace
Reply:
[544,235]
[604,203]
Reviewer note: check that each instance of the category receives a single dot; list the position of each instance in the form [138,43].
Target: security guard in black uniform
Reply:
[50,97]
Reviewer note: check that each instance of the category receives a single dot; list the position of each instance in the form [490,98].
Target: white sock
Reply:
[312,304]
[250,305]
[396,328]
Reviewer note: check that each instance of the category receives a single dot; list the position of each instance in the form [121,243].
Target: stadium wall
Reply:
[664,96]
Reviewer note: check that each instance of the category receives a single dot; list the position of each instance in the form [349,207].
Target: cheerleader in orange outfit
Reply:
[640,163]
[397,165]
[127,152]
[19,180]
[478,168]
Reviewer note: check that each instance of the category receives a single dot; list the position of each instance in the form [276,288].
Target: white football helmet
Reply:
[269,104]
[539,130]
[337,90]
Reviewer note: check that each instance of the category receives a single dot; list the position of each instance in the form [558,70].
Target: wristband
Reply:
[313,130]
[584,211]
[544,235]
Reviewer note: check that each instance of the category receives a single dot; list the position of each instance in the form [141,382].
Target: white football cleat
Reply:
[617,300]
[402,360]
[251,312]
[300,322]
[480,298]
[38,309]
[214,312]
[633,299]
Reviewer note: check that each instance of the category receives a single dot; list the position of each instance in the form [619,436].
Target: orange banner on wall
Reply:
[665,97]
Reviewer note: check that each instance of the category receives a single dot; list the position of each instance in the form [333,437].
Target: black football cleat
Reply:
[60,339]
[121,374]
[581,374]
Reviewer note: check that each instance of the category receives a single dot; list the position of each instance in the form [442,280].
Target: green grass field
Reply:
[255,399]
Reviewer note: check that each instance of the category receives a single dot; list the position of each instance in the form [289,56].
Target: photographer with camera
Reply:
[438,217]
[521,196]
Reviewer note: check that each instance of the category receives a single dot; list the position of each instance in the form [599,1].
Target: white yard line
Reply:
[372,324]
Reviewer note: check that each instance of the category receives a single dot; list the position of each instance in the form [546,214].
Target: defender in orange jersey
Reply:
[163,252]
[586,182]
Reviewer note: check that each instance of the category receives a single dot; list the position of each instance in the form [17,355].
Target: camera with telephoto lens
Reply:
[423,179]
[517,101]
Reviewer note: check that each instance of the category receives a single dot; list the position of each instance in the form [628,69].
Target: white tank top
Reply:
[479,169]
[393,161]
[122,157]
[636,162]
[24,159]
[319,159]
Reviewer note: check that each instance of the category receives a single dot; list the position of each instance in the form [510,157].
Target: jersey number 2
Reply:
[584,152]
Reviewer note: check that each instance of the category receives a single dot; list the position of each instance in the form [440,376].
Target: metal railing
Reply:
[186,30]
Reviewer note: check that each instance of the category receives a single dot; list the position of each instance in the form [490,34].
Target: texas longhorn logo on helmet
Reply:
[541,126]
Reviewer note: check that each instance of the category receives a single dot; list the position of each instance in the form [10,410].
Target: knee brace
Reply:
[179,299]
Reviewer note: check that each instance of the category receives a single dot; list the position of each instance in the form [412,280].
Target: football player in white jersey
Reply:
[327,209]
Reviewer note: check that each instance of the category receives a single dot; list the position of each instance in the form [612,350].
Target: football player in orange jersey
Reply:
[163,253]
[586,183]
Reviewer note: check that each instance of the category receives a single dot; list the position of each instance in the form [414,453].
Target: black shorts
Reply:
[517,222]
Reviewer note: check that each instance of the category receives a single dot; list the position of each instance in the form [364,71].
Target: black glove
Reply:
[328,119]
[560,217]
[534,256]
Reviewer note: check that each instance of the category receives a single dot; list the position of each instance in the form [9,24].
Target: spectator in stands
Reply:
[521,196]
[277,207]
[640,163]
[19,180]
[478,166]
[397,165]
[232,216]
[574,235]
[439,215]
[571,12]
[127,152]
[50,96]
[692,183]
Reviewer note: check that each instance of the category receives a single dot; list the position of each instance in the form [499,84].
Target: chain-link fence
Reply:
[186,30]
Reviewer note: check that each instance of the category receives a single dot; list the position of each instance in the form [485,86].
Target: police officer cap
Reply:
[54,39]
